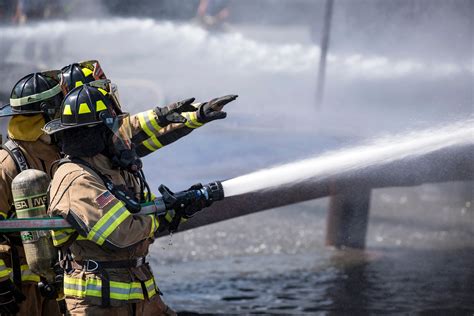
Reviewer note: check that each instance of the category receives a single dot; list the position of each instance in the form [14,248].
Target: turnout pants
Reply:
[151,307]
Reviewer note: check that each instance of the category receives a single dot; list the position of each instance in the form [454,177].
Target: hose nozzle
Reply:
[198,193]
[189,202]
[215,191]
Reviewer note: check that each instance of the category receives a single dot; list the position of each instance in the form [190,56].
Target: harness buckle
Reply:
[94,267]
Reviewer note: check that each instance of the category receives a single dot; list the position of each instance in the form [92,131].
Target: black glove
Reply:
[10,298]
[212,110]
[189,210]
[185,203]
[172,113]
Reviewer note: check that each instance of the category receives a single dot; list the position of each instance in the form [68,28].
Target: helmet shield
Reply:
[77,74]
[124,154]
[35,93]
[121,129]
[94,66]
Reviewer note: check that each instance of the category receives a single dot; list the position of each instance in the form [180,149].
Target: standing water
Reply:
[419,257]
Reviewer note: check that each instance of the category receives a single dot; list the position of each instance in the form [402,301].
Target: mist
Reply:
[394,67]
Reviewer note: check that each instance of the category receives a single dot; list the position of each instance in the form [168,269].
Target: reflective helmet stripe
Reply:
[36,97]
[67,110]
[104,92]
[87,72]
[100,106]
[84,108]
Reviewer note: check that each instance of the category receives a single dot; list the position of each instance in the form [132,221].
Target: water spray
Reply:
[327,166]
[331,164]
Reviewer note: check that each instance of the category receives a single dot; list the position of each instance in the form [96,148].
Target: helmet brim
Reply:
[56,125]
[7,110]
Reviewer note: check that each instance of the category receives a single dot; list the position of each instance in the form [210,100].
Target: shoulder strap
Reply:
[17,155]
[130,203]
[108,183]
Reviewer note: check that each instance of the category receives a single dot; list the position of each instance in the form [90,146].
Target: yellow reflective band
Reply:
[102,91]
[100,106]
[36,97]
[3,214]
[169,215]
[107,224]
[67,110]
[78,83]
[143,125]
[115,224]
[148,146]
[118,290]
[4,271]
[86,71]
[154,123]
[191,120]
[61,236]
[151,194]
[154,224]
[150,287]
[152,144]
[28,275]
[80,288]
[83,108]
[156,142]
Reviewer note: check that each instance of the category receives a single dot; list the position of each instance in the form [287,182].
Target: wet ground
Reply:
[418,260]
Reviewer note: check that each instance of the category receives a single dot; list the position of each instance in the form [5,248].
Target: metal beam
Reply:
[348,218]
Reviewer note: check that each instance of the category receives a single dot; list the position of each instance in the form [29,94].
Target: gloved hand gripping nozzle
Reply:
[196,195]
[189,202]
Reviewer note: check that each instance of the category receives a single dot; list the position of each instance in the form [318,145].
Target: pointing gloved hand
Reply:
[10,298]
[212,110]
[172,113]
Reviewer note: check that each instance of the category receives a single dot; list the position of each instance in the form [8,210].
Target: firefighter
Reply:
[155,128]
[97,188]
[35,100]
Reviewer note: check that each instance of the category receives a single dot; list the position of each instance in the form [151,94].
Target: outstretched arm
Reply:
[159,127]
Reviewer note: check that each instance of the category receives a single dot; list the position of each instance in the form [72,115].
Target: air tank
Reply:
[29,190]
